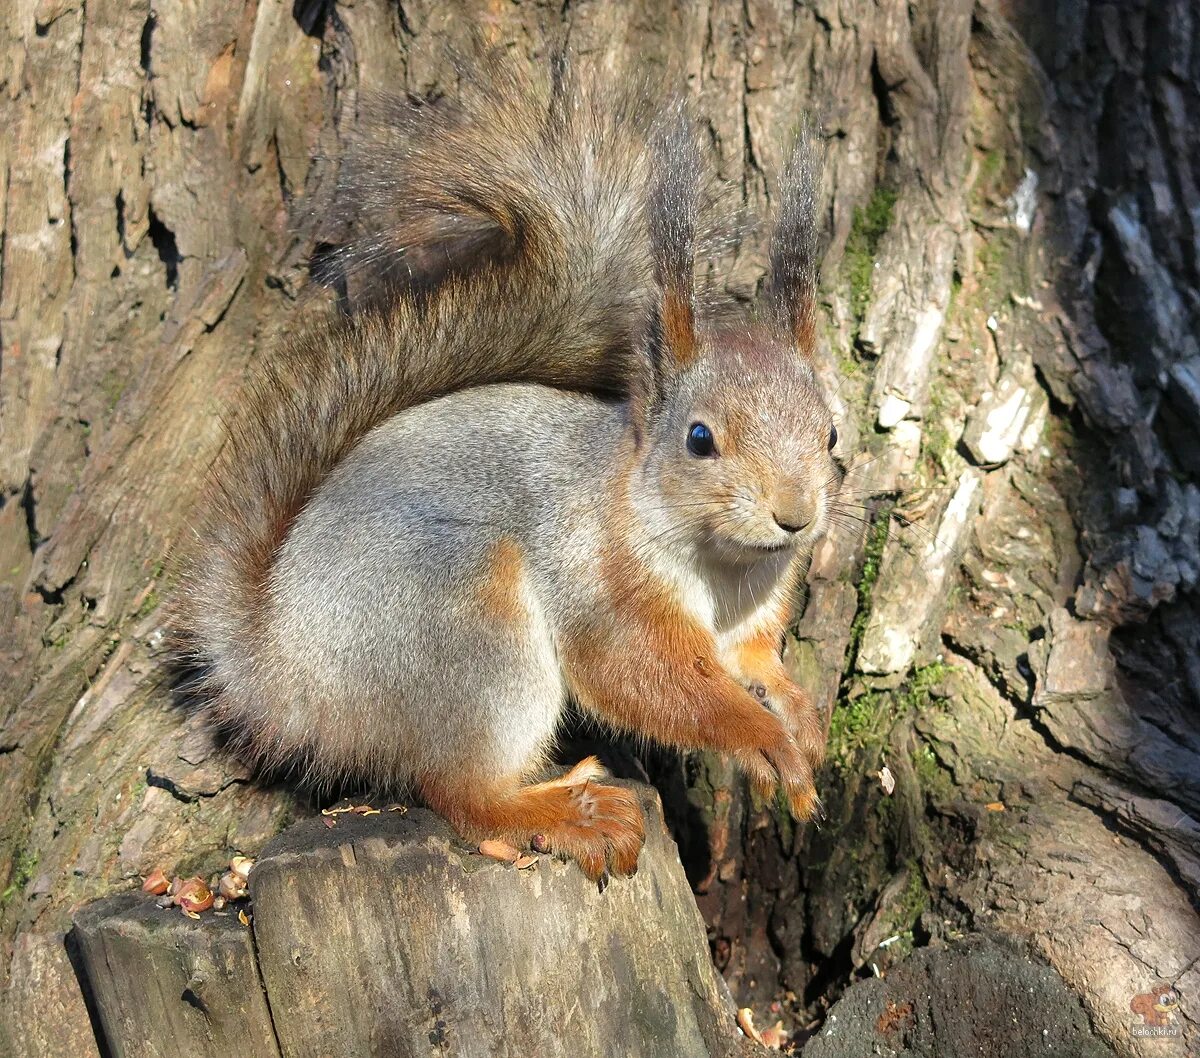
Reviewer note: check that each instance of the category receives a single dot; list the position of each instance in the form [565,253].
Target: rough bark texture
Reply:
[1011,303]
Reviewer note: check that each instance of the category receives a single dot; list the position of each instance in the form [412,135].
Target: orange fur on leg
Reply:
[598,826]
[756,660]
[651,670]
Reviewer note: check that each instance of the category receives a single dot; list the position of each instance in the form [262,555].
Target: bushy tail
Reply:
[498,238]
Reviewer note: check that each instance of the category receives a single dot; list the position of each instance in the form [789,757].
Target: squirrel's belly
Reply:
[404,634]
[424,660]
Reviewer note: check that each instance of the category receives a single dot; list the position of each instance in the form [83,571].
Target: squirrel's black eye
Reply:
[832,437]
[700,440]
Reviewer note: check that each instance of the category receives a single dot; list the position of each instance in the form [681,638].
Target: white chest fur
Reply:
[732,601]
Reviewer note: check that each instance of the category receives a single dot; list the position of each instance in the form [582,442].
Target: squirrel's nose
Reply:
[793,508]
[794,521]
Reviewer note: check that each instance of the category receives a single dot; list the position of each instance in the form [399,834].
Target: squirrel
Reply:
[531,467]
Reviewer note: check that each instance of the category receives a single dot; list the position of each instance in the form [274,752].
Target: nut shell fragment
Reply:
[499,850]
[774,1037]
[231,886]
[156,882]
[745,1020]
[194,895]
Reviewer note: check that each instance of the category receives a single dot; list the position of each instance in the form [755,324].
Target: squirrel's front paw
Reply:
[784,764]
[799,716]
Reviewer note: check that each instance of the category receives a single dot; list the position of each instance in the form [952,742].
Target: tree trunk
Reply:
[1010,628]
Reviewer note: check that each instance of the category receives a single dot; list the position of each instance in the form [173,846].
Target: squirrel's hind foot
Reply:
[598,826]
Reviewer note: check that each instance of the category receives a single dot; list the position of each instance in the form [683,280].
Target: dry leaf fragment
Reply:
[156,882]
[525,861]
[895,1017]
[887,780]
[499,850]
[996,806]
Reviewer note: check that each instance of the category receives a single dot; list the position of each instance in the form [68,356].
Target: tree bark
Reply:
[1009,625]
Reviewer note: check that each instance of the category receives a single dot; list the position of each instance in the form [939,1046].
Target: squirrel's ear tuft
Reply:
[673,206]
[792,283]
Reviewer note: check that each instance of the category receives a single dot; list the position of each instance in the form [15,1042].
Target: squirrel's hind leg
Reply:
[598,826]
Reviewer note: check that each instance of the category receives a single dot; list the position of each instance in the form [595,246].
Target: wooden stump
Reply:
[386,935]
[165,984]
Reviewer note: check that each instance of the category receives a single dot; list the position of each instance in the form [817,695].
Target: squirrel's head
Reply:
[738,436]
[740,446]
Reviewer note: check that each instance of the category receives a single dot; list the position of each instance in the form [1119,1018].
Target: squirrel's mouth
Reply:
[753,550]
[769,549]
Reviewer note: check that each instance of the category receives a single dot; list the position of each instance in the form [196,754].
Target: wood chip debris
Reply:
[357,810]
[996,806]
